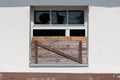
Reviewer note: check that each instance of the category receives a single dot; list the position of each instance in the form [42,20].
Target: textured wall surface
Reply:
[104,39]
[58,76]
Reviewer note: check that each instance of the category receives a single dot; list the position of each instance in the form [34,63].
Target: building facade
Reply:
[102,21]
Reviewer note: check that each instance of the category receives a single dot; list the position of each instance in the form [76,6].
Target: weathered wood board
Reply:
[71,48]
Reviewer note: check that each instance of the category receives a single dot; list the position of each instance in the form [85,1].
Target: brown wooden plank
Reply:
[58,52]
[80,52]
[59,38]
[36,51]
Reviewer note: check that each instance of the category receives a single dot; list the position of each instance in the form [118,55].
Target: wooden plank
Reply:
[80,52]
[58,52]
[59,38]
[36,52]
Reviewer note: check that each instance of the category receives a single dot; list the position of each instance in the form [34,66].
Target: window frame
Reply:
[66,27]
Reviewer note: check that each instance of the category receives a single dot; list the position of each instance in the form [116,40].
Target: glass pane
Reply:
[77,32]
[75,17]
[59,17]
[48,32]
[41,17]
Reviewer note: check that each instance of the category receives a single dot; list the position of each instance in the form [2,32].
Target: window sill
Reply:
[58,65]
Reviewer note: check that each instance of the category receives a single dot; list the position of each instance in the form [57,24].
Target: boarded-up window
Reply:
[58,37]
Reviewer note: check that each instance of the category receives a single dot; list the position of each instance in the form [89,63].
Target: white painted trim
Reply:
[67,32]
[58,65]
[59,7]
[50,18]
[31,21]
[86,21]
[58,27]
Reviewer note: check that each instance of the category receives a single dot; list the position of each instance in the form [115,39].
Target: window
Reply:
[59,17]
[42,17]
[76,17]
[59,36]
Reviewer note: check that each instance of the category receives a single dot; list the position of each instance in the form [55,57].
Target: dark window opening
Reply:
[77,32]
[41,17]
[75,17]
[48,32]
[59,17]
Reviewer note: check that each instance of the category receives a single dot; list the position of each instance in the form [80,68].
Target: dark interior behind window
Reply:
[75,17]
[48,32]
[59,17]
[77,32]
[41,17]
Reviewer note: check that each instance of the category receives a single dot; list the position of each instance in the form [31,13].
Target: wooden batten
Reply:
[59,38]
[36,52]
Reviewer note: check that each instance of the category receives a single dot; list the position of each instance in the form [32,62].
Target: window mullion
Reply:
[67,17]
[50,17]
[67,33]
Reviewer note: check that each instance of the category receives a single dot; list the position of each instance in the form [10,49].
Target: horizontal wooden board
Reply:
[59,38]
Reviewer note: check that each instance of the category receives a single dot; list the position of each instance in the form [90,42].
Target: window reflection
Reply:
[75,17]
[59,17]
[42,17]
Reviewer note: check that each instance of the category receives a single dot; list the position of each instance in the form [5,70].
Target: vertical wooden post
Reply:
[80,51]
[36,52]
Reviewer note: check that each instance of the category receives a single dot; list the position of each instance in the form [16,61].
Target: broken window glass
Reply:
[59,17]
[75,17]
[42,17]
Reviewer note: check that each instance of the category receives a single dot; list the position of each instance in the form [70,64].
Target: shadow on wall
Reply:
[22,3]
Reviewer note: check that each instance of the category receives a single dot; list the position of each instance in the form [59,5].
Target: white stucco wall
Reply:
[104,39]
